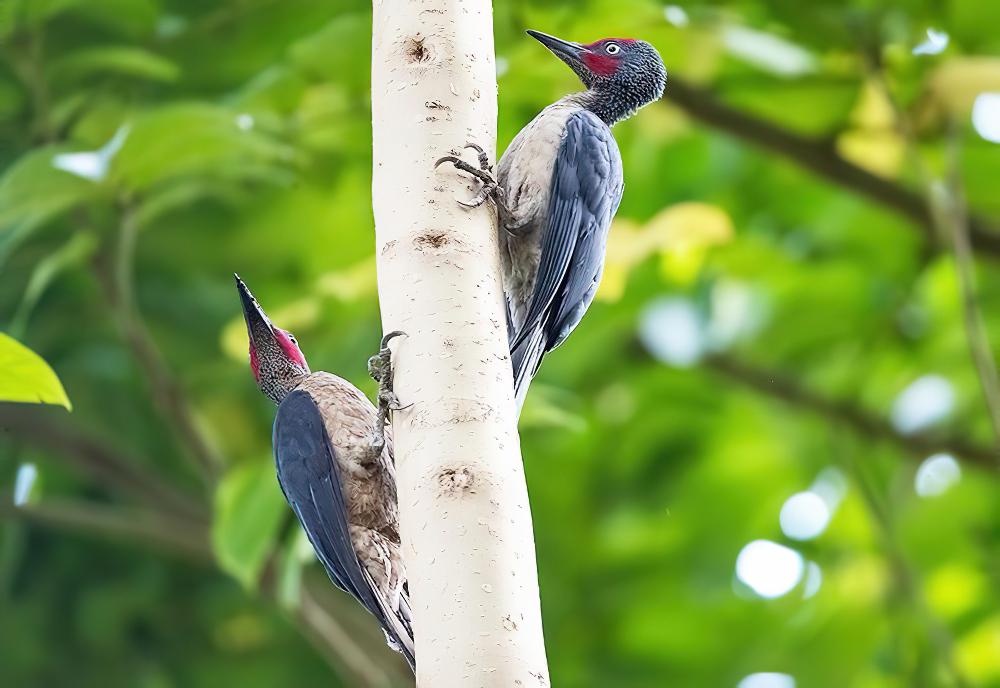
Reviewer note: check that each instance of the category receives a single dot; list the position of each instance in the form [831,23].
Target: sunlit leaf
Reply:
[124,60]
[978,652]
[248,513]
[26,377]
[195,139]
[681,234]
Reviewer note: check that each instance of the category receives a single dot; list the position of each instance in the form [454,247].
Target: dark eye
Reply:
[612,49]
[292,337]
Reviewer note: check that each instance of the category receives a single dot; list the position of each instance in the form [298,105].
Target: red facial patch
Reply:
[290,348]
[605,65]
[254,363]
[598,61]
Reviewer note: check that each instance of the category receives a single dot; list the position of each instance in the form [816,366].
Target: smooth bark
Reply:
[465,519]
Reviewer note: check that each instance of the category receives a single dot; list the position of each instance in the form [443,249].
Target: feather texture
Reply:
[585,189]
[361,560]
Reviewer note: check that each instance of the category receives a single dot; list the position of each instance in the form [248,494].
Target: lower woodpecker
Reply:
[335,467]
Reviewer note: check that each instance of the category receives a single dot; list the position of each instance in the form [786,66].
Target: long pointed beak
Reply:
[258,324]
[565,50]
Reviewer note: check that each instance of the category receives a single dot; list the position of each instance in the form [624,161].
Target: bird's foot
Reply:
[380,368]
[490,189]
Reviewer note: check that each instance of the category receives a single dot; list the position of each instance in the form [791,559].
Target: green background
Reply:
[776,285]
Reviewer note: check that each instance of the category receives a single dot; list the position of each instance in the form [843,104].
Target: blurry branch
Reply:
[52,430]
[781,387]
[820,158]
[907,586]
[26,55]
[947,200]
[143,526]
[336,644]
[950,217]
[167,394]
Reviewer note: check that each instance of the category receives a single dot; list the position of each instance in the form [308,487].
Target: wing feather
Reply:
[587,186]
[308,475]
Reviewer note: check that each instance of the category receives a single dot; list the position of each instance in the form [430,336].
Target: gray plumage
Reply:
[553,254]
[561,183]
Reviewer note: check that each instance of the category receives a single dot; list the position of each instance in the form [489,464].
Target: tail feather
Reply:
[526,358]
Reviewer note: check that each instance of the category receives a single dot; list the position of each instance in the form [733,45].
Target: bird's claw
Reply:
[380,368]
[484,158]
[490,187]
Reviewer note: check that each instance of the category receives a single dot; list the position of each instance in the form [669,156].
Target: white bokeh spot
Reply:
[936,475]
[934,44]
[986,116]
[671,329]
[675,15]
[769,569]
[804,516]
[924,402]
[24,482]
[767,680]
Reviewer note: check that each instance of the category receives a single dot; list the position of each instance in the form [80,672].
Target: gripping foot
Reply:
[380,368]
[490,189]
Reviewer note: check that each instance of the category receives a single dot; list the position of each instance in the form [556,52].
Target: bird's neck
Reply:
[611,104]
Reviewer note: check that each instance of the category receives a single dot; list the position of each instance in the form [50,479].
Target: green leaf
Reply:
[248,513]
[197,139]
[26,377]
[33,191]
[116,59]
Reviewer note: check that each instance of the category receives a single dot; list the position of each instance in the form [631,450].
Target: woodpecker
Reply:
[556,189]
[335,467]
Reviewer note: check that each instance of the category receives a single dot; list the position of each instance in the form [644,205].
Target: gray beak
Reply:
[564,50]
[258,324]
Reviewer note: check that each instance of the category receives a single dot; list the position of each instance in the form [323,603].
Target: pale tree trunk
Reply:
[465,519]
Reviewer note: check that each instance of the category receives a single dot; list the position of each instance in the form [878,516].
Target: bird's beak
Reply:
[565,50]
[258,324]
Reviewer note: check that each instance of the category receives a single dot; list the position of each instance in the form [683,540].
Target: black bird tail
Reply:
[526,358]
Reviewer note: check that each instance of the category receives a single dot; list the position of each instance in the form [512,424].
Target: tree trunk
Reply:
[465,519]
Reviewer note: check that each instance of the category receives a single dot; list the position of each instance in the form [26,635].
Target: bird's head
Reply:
[275,358]
[622,74]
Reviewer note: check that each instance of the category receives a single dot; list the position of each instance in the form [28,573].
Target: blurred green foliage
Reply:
[758,335]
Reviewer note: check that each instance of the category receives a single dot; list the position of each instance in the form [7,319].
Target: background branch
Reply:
[784,388]
[142,526]
[168,396]
[51,429]
[820,158]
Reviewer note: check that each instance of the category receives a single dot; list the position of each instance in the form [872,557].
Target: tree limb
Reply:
[168,396]
[139,525]
[781,387]
[51,429]
[464,514]
[820,158]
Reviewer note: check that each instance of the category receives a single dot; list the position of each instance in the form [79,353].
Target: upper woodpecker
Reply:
[557,187]
[336,470]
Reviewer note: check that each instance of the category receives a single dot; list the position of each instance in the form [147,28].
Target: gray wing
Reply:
[307,472]
[587,185]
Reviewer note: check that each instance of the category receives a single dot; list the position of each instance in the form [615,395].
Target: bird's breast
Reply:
[368,482]
[525,174]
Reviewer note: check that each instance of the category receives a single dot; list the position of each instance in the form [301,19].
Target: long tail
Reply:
[526,358]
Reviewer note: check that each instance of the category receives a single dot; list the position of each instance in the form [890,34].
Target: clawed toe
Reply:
[490,188]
